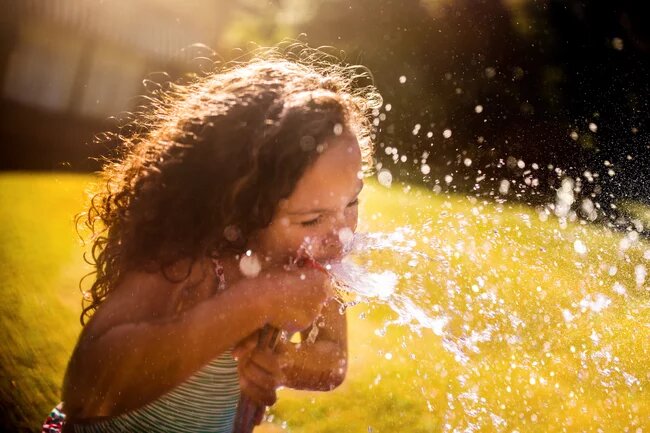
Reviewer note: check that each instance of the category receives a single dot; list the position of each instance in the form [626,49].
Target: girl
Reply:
[232,179]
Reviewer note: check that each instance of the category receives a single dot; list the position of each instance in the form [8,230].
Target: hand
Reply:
[260,370]
[295,298]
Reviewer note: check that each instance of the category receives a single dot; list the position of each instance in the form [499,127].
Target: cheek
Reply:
[286,241]
[352,218]
[271,239]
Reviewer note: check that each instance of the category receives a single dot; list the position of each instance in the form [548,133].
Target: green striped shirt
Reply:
[206,402]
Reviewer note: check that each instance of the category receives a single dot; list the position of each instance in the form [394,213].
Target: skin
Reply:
[151,334]
[317,217]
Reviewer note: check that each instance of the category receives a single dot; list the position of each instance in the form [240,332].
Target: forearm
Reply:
[319,366]
[134,363]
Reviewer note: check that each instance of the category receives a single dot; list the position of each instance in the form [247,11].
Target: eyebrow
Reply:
[321,210]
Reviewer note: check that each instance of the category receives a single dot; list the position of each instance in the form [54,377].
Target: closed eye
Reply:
[311,222]
[318,219]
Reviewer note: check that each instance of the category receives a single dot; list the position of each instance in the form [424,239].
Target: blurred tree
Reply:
[550,82]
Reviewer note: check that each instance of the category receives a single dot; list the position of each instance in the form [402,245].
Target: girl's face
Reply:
[321,213]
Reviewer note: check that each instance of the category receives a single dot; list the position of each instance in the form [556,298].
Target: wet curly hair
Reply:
[207,165]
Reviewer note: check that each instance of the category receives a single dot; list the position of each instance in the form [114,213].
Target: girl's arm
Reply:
[133,363]
[130,364]
[321,364]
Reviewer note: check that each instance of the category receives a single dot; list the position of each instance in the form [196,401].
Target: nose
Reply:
[340,236]
[340,223]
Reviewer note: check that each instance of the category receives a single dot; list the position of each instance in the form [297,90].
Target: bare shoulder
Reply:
[143,296]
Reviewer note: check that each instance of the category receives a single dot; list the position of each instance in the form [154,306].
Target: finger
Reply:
[260,377]
[242,353]
[259,395]
[267,361]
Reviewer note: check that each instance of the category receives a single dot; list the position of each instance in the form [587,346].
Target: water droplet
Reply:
[618,288]
[385,178]
[640,274]
[231,233]
[567,316]
[478,109]
[345,236]
[504,187]
[425,169]
[579,247]
[249,265]
[612,270]
[446,133]
[402,79]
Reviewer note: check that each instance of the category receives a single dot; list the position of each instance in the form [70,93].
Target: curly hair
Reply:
[206,167]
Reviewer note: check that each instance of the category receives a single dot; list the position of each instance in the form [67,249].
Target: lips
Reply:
[327,249]
[331,250]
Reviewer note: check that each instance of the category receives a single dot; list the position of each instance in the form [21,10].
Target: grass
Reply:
[554,339]
[41,266]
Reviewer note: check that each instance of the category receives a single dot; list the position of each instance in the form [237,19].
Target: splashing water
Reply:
[461,292]
[381,287]
[504,317]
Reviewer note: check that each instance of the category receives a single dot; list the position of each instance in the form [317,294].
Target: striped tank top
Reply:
[206,402]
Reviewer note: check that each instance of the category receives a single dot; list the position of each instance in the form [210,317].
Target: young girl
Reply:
[232,180]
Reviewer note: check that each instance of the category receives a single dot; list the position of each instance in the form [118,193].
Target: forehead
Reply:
[331,179]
